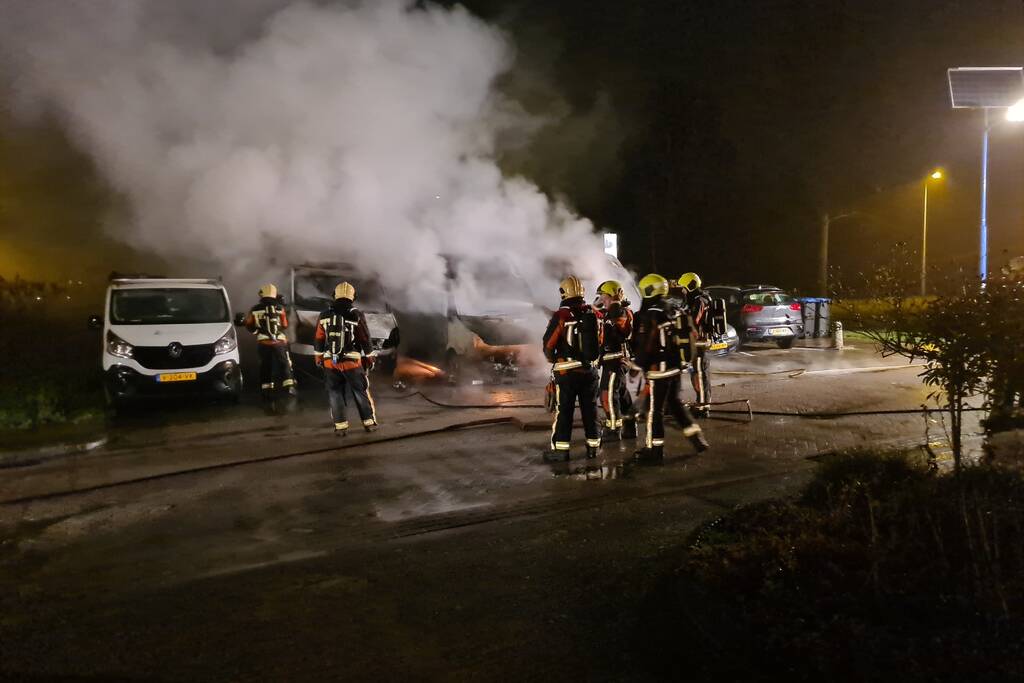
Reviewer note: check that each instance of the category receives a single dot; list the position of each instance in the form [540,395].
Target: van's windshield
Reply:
[315,292]
[168,306]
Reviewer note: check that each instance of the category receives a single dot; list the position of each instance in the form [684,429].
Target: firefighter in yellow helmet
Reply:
[268,320]
[617,327]
[656,351]
[342,347]
[696,330]
[572,342]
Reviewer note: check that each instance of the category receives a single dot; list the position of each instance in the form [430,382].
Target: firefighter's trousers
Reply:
[275,367]
[664,392]
[700,378]
[575,386]
[345,386]
[615,398]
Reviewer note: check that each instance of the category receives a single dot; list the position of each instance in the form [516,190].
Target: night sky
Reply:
[739,123]
[710,135]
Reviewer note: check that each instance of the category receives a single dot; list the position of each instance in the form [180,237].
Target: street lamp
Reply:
[999,87]
[934,175]
[1015,114]
[826,225]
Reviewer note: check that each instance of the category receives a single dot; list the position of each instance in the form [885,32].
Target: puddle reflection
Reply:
[592,471]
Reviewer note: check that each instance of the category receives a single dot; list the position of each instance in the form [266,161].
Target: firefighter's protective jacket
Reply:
[572,341]
[692,312]
[617,328]
[701,310]
[342,337]
[655,346]
[268,320]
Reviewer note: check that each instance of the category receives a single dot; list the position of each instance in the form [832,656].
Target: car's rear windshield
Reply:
[768,298]
[168,306]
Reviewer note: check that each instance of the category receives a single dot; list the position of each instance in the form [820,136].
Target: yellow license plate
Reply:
[176,377]
[719,346]
[781,332]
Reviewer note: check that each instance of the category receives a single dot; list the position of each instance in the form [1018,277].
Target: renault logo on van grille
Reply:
[174,350]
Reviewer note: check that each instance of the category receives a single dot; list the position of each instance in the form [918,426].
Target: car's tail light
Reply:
[794,307]
[751,308]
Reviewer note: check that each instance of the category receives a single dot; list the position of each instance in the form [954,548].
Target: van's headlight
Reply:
[226,344]
[117,346]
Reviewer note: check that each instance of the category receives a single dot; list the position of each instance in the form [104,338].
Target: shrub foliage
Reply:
[50,370]
[880,565]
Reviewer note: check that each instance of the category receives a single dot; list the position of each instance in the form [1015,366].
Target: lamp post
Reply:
[934,175]
[1014,114]
[826,225]
[987,88]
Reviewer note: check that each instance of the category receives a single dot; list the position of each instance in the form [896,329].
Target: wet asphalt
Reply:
[228,544]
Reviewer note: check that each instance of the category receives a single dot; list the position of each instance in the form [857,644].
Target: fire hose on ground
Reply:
[468,424]
[750,412]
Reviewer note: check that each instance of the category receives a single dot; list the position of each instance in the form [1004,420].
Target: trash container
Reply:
[816,315]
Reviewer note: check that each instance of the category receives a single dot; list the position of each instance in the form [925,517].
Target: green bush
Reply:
[868,311]
[880,565]
[51,368]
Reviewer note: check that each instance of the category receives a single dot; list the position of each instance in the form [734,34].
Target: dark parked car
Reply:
[761,313]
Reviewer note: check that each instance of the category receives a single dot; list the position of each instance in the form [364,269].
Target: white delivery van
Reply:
[168,336]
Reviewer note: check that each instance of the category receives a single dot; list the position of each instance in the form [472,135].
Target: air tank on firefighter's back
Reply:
[307,289]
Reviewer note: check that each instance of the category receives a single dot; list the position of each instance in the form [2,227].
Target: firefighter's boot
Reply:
[629,429]
[341,428]
[591,452]
[696,436]
[610,434]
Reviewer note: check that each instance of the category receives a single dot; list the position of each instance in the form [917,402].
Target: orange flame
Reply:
[414,371]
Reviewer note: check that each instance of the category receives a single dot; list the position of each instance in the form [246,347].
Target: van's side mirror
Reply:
[239,319]
[95,322]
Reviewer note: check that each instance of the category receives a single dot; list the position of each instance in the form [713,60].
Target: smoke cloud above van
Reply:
[263,132]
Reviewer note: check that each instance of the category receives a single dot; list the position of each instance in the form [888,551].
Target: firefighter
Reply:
[656,350]
[343,350]
[617,326]
[572,343]
[268,320]
[697,324]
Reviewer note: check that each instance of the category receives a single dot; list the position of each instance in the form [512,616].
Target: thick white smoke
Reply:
[258,130]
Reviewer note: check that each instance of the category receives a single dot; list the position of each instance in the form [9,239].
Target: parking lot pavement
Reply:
[203,437]
[253,546]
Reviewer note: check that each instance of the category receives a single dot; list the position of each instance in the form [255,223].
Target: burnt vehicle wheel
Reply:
[785,343]
[386,364]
